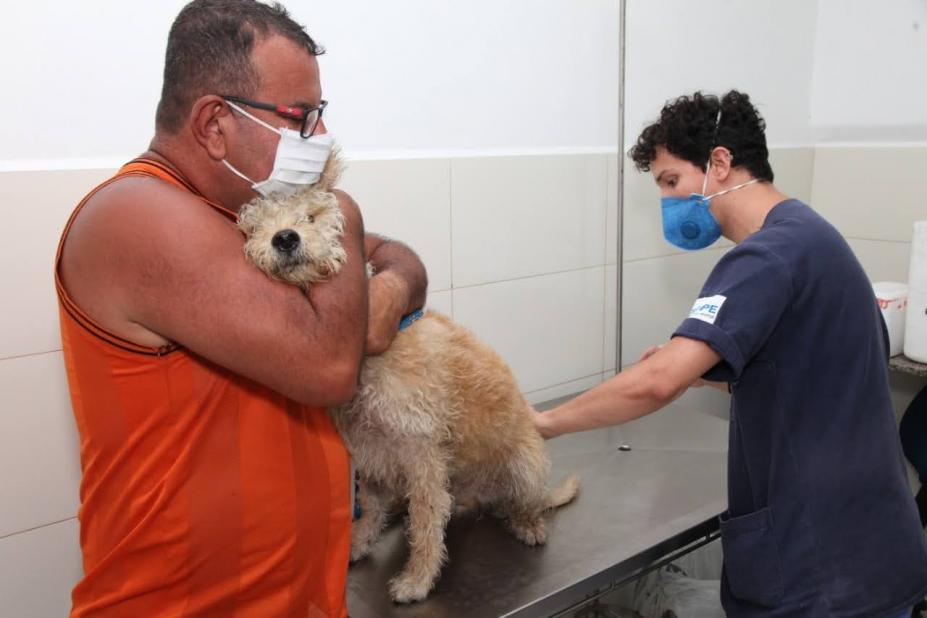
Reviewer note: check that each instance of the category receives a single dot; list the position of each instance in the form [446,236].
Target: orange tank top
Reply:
[203,493]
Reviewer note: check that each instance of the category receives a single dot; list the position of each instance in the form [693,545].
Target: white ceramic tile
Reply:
[39,447]
[549,328]
[874,193]
[793,169]
[572,387]
[409,200]
[610,341]
[38,569]
[883,260]
[441,302]
[657,295]
[611,210]
[522,216]
[35,206]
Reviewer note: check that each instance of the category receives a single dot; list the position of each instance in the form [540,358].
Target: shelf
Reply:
[903,364]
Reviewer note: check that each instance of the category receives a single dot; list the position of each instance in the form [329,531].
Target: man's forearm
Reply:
[401,262]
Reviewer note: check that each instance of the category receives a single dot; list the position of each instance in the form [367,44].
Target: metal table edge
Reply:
[586,589]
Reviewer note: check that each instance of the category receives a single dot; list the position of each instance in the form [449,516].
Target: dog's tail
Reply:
[564,492]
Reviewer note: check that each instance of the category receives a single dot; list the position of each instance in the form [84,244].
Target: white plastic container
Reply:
[915,337]
[893,301]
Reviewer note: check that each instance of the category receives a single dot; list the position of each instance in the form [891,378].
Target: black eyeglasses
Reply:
[308,116]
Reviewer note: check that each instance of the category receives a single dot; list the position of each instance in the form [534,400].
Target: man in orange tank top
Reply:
[213,482]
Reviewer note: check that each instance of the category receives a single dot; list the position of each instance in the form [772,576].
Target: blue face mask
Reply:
[687,221]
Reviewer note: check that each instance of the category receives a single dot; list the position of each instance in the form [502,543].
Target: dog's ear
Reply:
[332,172]
[248,217]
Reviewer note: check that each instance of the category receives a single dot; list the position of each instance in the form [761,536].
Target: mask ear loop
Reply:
[252,117]
[255,119]
[714,142]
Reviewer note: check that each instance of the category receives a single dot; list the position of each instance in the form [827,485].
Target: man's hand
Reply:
[397,288]
[388,297]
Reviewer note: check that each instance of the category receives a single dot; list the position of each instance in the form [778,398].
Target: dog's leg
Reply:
[366,531]
[528,469]
[429,510]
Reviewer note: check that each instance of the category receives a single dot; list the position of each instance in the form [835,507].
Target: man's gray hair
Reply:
[209,52]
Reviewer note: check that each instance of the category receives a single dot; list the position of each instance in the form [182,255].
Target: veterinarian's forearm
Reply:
[396,258]
[631,394]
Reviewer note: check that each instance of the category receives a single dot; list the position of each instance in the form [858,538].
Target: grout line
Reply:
[522,278]
[604,316]
[897,242]
[544,388]
[34,528]
[450,227]
[669,255]
[29,354]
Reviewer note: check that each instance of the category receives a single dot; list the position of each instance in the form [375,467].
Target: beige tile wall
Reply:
[873,195]
[517,248]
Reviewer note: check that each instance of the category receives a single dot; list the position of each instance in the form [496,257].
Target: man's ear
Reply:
[721,162]
[211,120]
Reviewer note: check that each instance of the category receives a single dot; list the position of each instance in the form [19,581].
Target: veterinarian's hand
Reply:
[541,424]
[388,296]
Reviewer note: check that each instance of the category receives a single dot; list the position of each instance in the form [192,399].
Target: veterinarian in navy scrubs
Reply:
[820,521]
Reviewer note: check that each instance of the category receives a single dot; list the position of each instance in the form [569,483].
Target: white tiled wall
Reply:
[409,200]
[35,206]
[523,216]
[40,454]
[549,327]
[38,568]
[517,249]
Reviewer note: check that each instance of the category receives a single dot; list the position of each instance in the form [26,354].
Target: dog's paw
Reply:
[530,533]
[405,588]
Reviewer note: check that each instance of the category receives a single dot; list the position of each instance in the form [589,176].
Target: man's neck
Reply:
[197,172]
[744,211]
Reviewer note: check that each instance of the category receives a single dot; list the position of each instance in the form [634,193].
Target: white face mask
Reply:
[298,163]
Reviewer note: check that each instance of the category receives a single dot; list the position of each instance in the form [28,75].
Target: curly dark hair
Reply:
[209,52]
[687,129]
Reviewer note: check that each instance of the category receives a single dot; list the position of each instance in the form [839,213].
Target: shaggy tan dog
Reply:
[438,420]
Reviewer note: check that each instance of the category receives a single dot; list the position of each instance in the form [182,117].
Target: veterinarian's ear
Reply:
[721,163]
[210,121]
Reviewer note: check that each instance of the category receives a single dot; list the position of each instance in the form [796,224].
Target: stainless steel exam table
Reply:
[635,507]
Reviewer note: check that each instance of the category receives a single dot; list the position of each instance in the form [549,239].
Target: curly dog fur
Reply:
[438,421]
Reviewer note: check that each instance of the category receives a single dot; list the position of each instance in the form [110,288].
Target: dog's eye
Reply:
[307,219]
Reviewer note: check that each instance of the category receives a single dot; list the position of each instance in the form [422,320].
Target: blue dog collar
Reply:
[408,319]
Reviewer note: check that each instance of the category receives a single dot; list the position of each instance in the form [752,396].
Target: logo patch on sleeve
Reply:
[706,309]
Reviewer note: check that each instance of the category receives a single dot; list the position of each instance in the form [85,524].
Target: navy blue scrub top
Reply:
[821,520]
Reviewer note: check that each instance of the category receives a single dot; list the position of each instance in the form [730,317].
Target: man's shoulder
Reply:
[140,195]
[134,207]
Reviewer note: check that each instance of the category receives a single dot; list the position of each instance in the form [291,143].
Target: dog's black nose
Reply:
[285,241]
